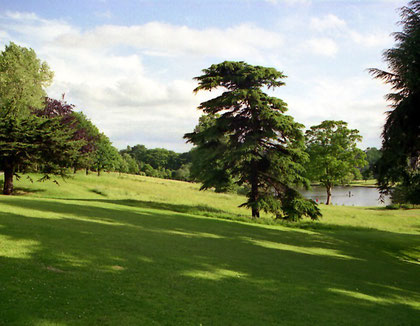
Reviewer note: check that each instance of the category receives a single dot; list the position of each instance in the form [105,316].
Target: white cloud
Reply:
[135,82]
[356,100]
[377,39]
[322,46]
[29,24]
[327,22]
[332,25]
[101,70]
[170,40]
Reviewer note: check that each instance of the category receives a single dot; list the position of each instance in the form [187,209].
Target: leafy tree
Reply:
[23,79]
[183,173]
[85,130]
[106,155]
[333,155]
[158,162]
[372,156]
[253,139]
[26,137]
[130,164]
[400,161]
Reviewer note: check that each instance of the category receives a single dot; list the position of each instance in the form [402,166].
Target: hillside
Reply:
[131,250]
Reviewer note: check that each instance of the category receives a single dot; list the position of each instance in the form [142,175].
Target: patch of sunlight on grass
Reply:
[115,268]
[145,259]
[415,304]
[194,234]
[17,248]
[317,251]
[73,260]
[411,255]
[33,213]
[214,274]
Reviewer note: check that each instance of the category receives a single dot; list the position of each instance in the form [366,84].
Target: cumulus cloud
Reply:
[166,39]
[332,25]
[356,100]
[101,70]
[322,46]
[327,22]
[135,82]
[377,39]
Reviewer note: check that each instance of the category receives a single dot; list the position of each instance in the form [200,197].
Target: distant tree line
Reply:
[158,162]
[244,138]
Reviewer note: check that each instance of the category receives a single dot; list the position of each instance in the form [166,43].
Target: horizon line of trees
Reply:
[31,120]
[243,139]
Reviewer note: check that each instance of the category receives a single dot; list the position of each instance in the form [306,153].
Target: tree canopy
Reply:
[333,154]
[400,161]
[27,135]
[160,162]
[372,156]
[214,174]
[23,78]
[252,139]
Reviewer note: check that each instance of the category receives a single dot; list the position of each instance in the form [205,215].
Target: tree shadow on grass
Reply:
[108,263]
[22,190]
[201,210]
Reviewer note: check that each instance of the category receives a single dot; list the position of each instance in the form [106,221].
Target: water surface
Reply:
[347,196]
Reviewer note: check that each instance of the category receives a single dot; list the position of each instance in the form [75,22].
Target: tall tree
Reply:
[400,161]
[107,156]
[24,136]
[333,154]
[23,80]
[85,130]
[212,175]
[372,156]
[253,139]
[82,129]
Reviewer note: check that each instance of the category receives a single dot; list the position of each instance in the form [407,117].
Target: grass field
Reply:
[130,250]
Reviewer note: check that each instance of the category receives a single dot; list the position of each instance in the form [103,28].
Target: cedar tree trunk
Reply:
[254,189]
[8,178]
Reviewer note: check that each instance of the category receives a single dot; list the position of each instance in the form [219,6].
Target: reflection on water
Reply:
[347,196]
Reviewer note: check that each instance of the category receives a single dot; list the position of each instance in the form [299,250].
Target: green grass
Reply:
[364,183]
[371,183]
[129,250]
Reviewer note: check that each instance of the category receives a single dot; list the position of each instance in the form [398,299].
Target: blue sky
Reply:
[129,64]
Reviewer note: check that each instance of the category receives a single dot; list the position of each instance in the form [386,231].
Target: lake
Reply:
[347,196]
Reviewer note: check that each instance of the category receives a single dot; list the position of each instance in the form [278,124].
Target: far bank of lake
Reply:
[347,196]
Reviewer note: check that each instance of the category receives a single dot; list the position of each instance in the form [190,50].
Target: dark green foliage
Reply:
[294,205]
[27,135]
[160,162]
[333,154]
[401,135]
[36,139]
[106,156]
[89,133]
[408,191]
[213,175]
[372,156]
[246,138]
[128,164]
[183,173]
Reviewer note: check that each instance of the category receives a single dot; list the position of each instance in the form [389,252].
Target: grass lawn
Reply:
[131,250]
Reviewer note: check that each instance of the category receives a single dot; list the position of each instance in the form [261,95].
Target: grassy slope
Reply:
[133,250]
